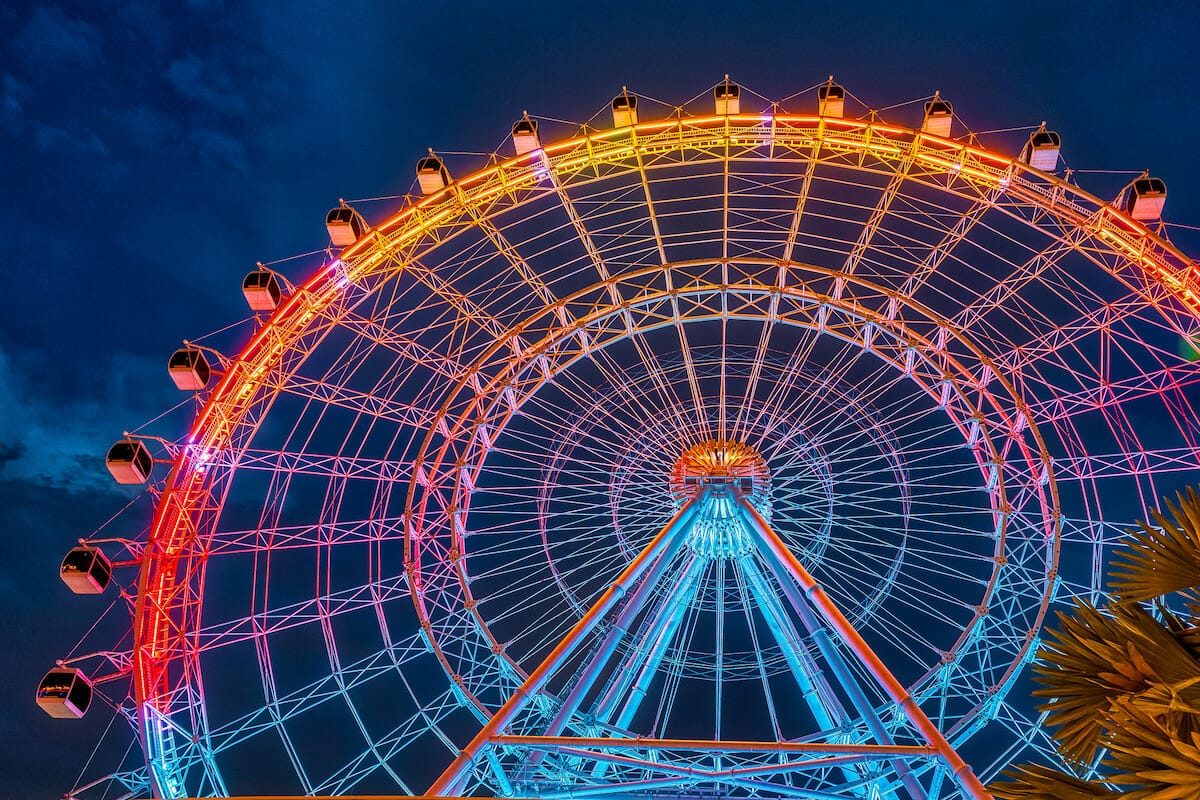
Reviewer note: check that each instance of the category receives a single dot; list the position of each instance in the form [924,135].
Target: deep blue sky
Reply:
[151,156]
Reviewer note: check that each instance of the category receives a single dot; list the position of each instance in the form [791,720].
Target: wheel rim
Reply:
[1074,239]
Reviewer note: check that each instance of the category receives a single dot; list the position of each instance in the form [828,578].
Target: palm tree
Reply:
[1123,681]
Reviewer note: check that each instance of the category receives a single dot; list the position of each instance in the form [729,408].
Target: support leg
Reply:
[668,539]
[833,617]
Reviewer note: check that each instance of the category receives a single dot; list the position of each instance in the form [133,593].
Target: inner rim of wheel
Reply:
[943,211]
[945,397]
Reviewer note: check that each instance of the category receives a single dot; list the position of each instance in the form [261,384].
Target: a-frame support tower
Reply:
[570,730]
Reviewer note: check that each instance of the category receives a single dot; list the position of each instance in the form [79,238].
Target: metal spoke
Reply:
[733,454]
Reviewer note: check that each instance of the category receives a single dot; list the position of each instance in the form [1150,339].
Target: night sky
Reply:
[151,156]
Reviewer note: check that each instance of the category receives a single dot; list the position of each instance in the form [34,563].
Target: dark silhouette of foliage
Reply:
[1124,679]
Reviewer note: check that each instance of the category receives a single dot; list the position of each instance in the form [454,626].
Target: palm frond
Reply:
[1036,782]
[1183,622]
[1125,680]
[1094,656]
[1149,751]
[1164,559]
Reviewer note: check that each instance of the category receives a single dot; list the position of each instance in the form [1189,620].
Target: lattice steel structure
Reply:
[734,454]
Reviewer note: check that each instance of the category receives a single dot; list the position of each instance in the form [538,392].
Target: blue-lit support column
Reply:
[787,568]
[588,675]
[660,549]
[824,704]
[618,630]
[845,677]
[633,679]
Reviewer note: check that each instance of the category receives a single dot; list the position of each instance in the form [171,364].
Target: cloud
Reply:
[11,451]
[10,110]
[220,149]
[145,127]
[51,38]
[58,442]
[206,82]
[147,25]
[49,137]
[12,106]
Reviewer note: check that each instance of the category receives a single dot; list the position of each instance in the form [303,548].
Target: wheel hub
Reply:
[731,468]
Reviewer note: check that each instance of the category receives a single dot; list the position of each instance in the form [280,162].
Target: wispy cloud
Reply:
[220,149]
[51,39]
[12,103]
[85,142]
[173,85]
[57,441]
[145,127]
[208,82]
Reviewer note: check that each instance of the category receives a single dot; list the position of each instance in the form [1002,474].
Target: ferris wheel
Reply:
[742,449]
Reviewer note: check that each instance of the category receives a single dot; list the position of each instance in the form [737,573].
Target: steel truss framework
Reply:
[401,511]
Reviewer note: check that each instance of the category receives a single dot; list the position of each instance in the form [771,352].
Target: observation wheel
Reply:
[722,452]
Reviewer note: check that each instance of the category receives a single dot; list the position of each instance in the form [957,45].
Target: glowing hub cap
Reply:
[729,467]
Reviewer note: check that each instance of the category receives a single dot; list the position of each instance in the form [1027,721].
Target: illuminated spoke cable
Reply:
[475,477]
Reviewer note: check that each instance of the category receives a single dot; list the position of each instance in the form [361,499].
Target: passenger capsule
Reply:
[1145,199]
[261,289]
[1042,150]
[831,100]
[938,116]
[432,175]
[624,110]
[129,461]
[728,98]
[189,368]
[345,225]
[65,693]
[86,570]
[525,135]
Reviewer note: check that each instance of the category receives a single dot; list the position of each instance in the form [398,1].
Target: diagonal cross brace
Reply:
[833,617]
[816,610]
[661,547]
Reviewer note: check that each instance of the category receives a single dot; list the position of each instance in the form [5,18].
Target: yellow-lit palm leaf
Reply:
[1149,751]
[1035,782]
[1095,656]
[1162,560]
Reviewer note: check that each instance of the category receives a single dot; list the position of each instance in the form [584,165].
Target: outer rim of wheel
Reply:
[160,639]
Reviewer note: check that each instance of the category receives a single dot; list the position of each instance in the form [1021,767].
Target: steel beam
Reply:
[970,784]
